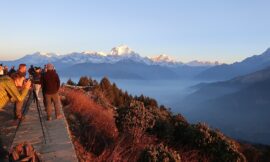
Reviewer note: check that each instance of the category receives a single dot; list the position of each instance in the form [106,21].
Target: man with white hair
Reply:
[50,85]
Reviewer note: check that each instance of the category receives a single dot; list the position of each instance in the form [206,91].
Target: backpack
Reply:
[23,152]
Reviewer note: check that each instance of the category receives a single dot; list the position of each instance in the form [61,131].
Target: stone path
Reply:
[58,146]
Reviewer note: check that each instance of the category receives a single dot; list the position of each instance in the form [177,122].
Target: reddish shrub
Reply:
[93,126]
[127,148]
[92,123]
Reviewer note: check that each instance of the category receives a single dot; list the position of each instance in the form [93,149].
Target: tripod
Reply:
[35,95]
[32,97]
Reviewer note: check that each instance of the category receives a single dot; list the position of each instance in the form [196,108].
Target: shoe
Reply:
[59,116]
[19,118]
[49,118]
[14,123]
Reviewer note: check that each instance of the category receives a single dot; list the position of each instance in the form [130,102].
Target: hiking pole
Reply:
[39,115]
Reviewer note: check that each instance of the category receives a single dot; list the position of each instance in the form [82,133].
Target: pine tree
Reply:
[84,81]
[70,82]
[105,84]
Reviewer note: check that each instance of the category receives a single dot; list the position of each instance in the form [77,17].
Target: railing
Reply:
[77,87]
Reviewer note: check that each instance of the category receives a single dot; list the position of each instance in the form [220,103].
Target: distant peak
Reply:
[121,50]
[267,50]
[203,63]
[45,54]
[94,53]
[163,58]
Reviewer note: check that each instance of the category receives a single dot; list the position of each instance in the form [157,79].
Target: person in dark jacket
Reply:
[12,71]
[31,71]
[50,85]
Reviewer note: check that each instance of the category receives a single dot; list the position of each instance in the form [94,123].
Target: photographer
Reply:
[1,70]
[19,104]
[9,90]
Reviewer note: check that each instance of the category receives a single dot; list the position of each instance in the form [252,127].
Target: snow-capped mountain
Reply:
[38,58]
[202,63]
[117,54]
[165,60]
[120,53]
[122,50]
[119,62]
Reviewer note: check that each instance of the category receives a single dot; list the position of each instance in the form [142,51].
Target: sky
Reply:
[222,30]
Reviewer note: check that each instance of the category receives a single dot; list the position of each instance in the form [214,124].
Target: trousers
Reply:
[55,100]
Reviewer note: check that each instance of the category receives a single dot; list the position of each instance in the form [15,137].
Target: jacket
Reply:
[50,82]
[37,78]
[9,92]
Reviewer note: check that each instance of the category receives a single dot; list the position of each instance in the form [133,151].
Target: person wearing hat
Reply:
[50,84]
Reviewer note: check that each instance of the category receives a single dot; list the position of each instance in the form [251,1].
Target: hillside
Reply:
[238,106]
[109,124]
[229,71]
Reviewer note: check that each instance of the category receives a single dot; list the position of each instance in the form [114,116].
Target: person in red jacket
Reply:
[50,85]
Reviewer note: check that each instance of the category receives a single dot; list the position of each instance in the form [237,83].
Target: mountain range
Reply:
[116,54]
[229,71]
[120,62]
[239,106]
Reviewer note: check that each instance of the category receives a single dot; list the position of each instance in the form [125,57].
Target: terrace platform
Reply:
[58,146]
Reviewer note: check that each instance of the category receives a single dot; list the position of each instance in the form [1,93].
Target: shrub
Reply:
[93,124]
[147,101]
[136,117]
[211,142]
[158,153]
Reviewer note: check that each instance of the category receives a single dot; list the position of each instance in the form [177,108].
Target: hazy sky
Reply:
[223,30]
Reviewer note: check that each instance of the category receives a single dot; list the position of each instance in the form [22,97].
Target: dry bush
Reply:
[95,134]
[156,153]
[258,152]
[92,124]
[127,148]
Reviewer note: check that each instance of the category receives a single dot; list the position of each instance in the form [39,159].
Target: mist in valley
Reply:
[166,92]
